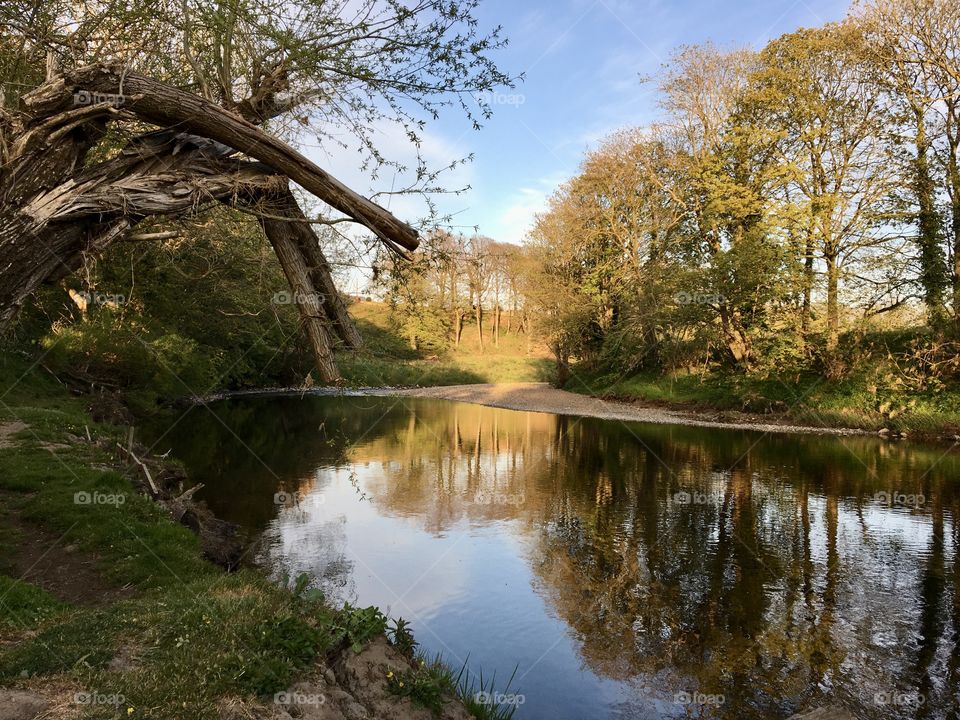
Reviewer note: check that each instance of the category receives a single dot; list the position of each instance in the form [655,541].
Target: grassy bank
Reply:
[854,402]
[388,359]
[107,608]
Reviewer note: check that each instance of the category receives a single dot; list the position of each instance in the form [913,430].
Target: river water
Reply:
[615,570]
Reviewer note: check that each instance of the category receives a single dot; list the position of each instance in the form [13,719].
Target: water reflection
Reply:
[629,571]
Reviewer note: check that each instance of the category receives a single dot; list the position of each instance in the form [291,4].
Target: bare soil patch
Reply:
[8,430]
[50,561]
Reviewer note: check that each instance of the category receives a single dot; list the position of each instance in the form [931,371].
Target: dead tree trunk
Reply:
[284,237]
[58,207]
[320,274]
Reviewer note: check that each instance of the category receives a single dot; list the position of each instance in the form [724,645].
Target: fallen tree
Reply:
[61,200]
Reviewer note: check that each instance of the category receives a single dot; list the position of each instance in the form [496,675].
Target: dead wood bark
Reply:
[283,236]
[56,207]
[286,205]
[167,106]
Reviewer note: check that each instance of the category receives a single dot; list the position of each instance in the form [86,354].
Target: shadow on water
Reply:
[630,570]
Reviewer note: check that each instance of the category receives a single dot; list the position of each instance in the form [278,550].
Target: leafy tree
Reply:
[817,96]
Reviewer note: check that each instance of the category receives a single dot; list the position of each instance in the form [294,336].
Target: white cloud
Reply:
[393,143]
[517,218]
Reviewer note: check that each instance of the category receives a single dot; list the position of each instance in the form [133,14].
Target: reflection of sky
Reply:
[396,529]
[470,590]
[469,593]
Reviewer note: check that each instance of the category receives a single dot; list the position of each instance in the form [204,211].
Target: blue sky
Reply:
[583,60]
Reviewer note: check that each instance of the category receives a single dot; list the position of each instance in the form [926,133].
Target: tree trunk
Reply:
[562,358]
[283,236]
[833,300]
[167,106]
[307,242]
[479,316]
[954,185]
[738,344]
[808,251]
[457,327]
[933,271]
[496,325]
[58,207]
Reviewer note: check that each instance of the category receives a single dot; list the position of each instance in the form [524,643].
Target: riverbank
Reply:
[541,397]
[109,609]
[893,408]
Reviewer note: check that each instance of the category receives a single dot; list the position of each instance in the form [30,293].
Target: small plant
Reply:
[428,685]
[281,648]
[301,589]
[482,699]
[402,637]
[355,626]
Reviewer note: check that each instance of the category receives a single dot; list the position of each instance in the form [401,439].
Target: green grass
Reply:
[388,360]
[854,402]
[23,605]
[431,683]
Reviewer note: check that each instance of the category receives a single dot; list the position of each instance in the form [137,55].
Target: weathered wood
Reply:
[282,236]
[167,106]
[320,273]
[56,207]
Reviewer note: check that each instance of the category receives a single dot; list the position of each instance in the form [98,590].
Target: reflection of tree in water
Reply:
[779,585]
[781,582]
[769,599]
[451,462]
[256,447]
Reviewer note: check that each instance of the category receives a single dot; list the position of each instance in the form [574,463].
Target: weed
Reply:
[402,637]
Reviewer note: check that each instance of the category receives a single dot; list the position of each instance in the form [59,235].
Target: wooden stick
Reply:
[146,470]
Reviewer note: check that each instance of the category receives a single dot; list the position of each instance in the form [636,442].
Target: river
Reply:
[614,570]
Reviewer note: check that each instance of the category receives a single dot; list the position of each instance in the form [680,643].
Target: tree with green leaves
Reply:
[816,96]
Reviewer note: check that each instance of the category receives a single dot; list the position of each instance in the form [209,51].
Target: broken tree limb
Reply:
[143,466]
[284,204]
[167,106]
[282,236]
[184,497]
[56,206]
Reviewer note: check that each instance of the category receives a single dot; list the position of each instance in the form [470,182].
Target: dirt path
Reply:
[8,430]
[541,397]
